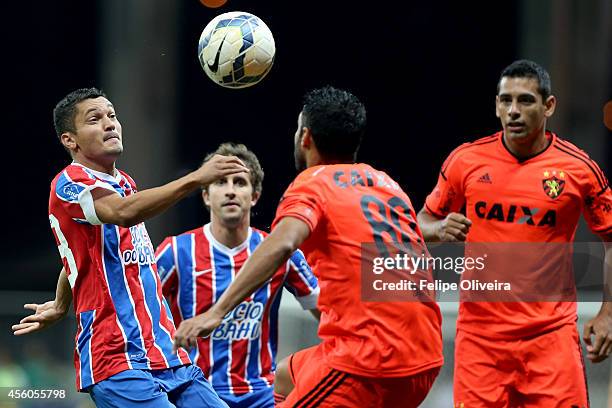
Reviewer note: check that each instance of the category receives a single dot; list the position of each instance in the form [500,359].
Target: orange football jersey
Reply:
[538,199]
[346,205]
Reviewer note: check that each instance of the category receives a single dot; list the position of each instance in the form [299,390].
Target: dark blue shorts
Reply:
[183,386]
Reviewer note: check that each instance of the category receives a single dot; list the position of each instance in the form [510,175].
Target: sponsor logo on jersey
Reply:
[518,214]
[242,323]
[142,252]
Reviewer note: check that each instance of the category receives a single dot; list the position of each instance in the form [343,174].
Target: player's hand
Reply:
[45,315]
[600,327]
[454,228]
[218,167]
[199,326]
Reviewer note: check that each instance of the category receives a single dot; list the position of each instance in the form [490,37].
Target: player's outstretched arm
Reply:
[261,265]
[48,313]
[131,210]
[598,331]
[453,228]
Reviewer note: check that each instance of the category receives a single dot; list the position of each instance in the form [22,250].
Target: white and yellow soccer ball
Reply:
[236,49]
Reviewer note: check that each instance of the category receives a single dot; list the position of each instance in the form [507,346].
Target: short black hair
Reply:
[528,69]
[337,121]
[65,110]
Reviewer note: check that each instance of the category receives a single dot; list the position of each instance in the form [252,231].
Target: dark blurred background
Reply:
[427,72]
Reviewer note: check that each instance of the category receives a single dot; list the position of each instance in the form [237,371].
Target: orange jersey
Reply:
[344,206]
[538,199]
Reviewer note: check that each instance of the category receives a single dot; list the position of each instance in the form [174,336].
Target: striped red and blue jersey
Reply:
[123,321]
[239,356]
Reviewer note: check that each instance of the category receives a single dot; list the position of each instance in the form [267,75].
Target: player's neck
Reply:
[528,149]
[108,168]
[318,160]
[230,236]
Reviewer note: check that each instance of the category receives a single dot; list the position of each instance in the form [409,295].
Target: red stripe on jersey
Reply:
[204,295]
[166,323]
[239,348]
[265,353]
[77,359]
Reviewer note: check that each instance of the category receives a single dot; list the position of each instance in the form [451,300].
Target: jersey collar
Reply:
[551,137]
[104,176]
[229,251]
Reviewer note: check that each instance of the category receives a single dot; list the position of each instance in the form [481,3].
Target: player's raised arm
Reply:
[287,236]
[111,208]
[452,228]
[48,313]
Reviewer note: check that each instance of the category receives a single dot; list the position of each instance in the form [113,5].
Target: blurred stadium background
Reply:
[426,71]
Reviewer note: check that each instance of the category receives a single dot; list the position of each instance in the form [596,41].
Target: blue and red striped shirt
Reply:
[123,321]
[239,356]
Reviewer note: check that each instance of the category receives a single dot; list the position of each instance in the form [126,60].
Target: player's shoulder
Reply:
[67,184]
[477,146]
[72,172]
[257,231]
[127,177]
[309,180]
[568,153]
[313,174]
[188,233]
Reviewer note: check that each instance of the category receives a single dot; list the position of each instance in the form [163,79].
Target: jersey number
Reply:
[64,250]
[388,222]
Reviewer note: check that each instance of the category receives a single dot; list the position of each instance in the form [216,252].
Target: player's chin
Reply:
[115,150]
[232,215]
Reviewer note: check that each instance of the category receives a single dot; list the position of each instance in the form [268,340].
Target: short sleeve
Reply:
[166,267]
[597,208]
[303,200]
[301,282]
[73,192]
[448,196]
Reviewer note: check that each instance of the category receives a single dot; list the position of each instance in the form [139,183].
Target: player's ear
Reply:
[306,141]
[497,106]
[550,103]
[68,140]
[255,198]
[206,197]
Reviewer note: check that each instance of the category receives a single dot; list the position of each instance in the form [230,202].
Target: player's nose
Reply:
[109,124]
[514,110]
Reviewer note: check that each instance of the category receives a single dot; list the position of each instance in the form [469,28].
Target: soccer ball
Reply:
[236,49]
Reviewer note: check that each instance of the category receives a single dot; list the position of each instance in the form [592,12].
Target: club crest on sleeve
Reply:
[553,183]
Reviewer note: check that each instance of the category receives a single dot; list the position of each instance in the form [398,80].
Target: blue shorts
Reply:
[183,386]
[263,398]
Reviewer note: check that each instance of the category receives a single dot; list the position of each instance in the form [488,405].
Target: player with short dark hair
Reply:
[124,354]
[196,267]
[383,354]
[522,184]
